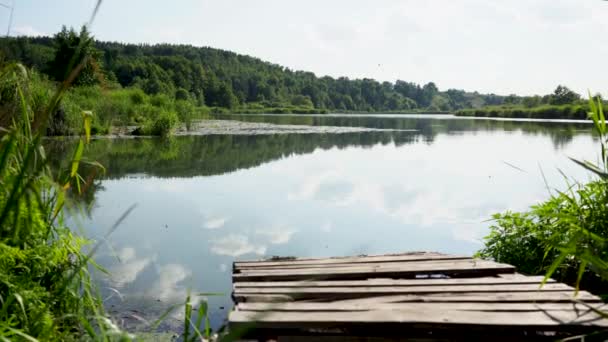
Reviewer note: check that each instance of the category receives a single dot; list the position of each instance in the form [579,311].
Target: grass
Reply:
[115,106]
[46,290]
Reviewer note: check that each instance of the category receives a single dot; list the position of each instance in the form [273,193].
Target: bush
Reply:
[186,112]
[138,96]
[533,240]
[164,124]
[572,111]
[182,94]
[161,100]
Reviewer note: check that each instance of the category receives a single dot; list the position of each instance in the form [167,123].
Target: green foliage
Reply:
[45,288]
[138,97]
[562,95]
[562,104]
[75,53]
[164,124]
[186,112]
[182,94]
[217,78]
[302,101]
[576,220]
[569,111]
[566,236]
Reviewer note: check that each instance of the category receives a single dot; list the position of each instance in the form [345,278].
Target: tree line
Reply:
[217,78]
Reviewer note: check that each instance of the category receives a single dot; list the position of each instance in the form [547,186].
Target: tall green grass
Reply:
[46,291]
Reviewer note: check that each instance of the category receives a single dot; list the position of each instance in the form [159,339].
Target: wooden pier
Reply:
[421,296]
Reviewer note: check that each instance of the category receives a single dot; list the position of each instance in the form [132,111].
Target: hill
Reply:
[218,78]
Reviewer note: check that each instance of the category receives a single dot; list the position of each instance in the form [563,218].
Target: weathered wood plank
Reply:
[307,306]
[513,276]
[415,265]
[531,297]
[391,290]
[398,282]
[459,267]
[403,318]
[290,259]
[348,260]
[375,265]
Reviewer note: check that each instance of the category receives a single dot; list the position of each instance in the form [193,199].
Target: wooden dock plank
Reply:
[532,297]
[403,318]
[349,260]
[459,267]
[390,290]
[491,306]
[428,292]
[398,282]
[375,265]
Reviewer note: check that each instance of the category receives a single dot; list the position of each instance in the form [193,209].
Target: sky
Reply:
[500,46]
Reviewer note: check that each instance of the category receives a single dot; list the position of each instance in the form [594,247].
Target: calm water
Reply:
[204,201]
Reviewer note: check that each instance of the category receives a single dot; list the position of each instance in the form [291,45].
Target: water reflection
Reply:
[218,154]
[205,201]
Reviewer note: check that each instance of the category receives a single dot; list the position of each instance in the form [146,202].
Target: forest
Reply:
[218,78]
[157,87]
[225,81]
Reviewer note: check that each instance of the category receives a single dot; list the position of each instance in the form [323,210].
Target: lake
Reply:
[204,201]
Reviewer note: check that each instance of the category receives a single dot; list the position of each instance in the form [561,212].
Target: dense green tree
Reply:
[182,94]
[511,100]
[72,50]
[532,101]
[219,78]
[302,101]
[563,95]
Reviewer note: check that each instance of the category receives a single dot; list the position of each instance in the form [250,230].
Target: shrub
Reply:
[182,94]
[533,240]
[137,96]
[164,124]
[161,100]
[186,112]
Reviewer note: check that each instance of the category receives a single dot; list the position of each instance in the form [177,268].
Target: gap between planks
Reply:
[296,306]
[403,318]
[529,297]
[399,282]
[345,260]
[400,271]
[375,265]
[387,290]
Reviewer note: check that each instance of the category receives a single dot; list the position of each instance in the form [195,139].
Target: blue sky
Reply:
[502,46]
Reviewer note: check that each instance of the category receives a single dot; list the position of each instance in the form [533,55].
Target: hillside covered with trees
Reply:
[217,78]
[157,86]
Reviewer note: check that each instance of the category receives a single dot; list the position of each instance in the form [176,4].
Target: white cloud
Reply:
[129,267]
[277,235]
[215,223]
[469,232]
[235,245]
[327,227]
[26,31]
[489,46]
[167,287]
